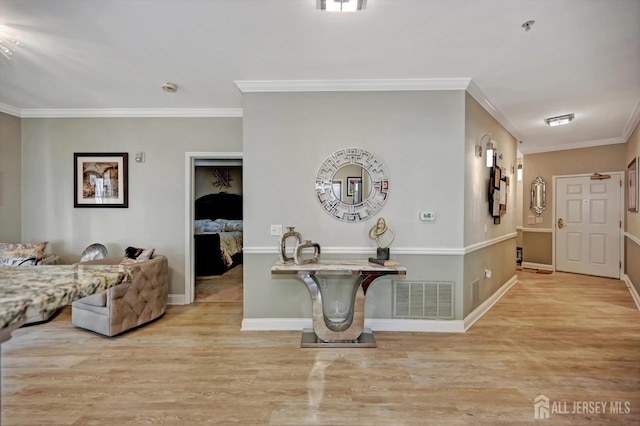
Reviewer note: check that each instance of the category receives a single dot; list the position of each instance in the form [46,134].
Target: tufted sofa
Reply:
[127,305]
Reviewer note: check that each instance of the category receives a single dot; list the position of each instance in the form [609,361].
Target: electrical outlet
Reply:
[276,229]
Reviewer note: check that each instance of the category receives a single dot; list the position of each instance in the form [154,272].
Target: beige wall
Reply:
[479,122]
[633,150]
[478,223]
[608,158]
[632,226]
[537,247]
[10,178]
[156,213]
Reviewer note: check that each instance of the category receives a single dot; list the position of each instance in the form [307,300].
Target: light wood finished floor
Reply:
[220,288]
[572,338]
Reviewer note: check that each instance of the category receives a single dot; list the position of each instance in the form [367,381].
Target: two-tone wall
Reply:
[426,140]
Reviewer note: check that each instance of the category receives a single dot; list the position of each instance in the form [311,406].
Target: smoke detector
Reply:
[169,87]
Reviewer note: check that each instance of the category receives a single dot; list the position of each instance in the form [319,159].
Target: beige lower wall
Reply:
[537,247]
[632,266]
[500,258]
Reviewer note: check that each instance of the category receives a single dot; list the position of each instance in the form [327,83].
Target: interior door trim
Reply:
[189,191]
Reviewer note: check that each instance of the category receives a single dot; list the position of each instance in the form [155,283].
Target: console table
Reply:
[347,331]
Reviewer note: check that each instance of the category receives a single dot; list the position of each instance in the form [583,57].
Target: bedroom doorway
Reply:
[213,231]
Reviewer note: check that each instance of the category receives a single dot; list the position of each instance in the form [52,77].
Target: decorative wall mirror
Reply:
[352,185]
[538,196]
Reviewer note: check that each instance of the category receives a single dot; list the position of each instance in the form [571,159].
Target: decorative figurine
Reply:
[283,243]
[298,255]
[376,232]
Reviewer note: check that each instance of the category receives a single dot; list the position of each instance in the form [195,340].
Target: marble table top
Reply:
[33,289]
[337,267]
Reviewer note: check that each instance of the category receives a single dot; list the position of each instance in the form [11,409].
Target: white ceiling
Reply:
[580,57]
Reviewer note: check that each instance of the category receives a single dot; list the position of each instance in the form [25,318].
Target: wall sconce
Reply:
[489,149]
[519,174]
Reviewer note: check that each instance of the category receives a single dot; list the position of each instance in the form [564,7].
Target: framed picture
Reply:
[632,185]
[352,184]
[100,179]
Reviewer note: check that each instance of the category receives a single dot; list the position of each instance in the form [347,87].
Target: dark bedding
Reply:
[218,233]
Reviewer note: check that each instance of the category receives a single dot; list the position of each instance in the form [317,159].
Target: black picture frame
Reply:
[100,179]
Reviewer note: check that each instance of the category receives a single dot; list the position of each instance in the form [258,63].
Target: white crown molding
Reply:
[576,145]
[377,85]
[477,94]
[633,122]
[123,112]
[8,109]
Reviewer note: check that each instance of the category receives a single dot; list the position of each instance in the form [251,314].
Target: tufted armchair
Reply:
[127,305]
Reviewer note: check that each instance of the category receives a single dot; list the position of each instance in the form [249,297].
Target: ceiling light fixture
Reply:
[8,44]
[559,120]
[341,5]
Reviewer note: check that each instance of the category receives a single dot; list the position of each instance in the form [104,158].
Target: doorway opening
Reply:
[214,227]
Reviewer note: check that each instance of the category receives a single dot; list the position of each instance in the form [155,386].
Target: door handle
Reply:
[560,223]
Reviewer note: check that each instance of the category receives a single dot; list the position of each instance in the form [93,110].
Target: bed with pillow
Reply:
[218,230]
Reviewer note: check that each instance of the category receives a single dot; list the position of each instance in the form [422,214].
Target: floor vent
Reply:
[424,300]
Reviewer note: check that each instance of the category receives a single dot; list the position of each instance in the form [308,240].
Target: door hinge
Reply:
[620,264]
[620,224]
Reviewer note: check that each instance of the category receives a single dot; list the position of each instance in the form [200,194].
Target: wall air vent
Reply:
[423,300]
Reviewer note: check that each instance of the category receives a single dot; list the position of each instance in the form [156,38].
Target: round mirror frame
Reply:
[377,194]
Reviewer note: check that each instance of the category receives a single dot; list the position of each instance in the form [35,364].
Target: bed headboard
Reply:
[219,206]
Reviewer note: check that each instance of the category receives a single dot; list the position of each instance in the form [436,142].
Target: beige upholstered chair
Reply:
[127,305]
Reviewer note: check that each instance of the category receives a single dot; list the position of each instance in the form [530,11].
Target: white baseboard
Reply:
[632,290]
[176,299]
[375,324]
[391,324]
[488,304]
[541,266]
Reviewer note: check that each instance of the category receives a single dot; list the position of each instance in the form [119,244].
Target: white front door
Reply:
[588,225]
